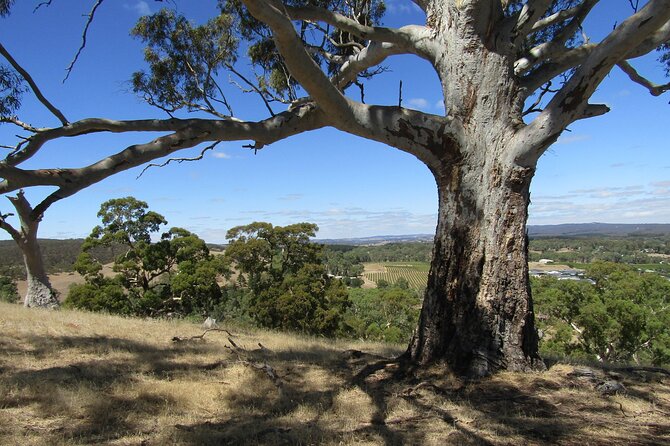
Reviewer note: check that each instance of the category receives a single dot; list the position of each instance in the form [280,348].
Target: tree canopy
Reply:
[285,279]
[175,274]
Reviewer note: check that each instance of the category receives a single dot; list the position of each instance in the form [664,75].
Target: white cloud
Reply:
[626,204]
[141,8]
[418,103]
[221,155]
[353,221]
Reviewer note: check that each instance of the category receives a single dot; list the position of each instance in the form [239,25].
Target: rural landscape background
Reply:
[75,377]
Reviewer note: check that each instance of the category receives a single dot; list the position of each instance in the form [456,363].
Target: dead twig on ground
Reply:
[177,339]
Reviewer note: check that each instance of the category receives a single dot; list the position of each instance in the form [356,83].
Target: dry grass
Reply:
[71,378]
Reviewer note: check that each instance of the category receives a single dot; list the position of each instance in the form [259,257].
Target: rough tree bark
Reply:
[477,313]
[39,292]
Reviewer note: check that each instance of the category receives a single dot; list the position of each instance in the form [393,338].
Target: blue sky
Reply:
[614,169]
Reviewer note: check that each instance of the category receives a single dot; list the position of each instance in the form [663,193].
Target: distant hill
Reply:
[60,255]
[379,240]
[563,230]
[602,229]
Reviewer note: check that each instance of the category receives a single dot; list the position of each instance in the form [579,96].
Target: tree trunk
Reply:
[39,292]
[477,313]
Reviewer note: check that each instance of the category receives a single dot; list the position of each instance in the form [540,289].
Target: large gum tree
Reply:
[514,75]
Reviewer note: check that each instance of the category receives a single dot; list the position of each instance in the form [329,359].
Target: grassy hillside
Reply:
[71,378]
[58,255]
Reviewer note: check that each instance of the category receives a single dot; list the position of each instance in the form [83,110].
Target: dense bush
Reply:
[8,291]
[389,314]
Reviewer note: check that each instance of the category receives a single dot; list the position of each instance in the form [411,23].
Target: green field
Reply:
[416,273]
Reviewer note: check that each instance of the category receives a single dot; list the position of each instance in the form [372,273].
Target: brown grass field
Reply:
[74,378]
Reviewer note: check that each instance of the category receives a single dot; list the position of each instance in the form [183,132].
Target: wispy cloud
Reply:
[221,155]
[570,139]
[140,7]
[291,197]
[626,204]
[418,103]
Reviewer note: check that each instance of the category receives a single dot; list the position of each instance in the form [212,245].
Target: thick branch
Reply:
[531,12]
[187,133]
[560,64]
[33,86]
[420,134]
[576,56]
[555,18]
[548,50]
[374,54]
[298,60]
[403,36]
[571,103]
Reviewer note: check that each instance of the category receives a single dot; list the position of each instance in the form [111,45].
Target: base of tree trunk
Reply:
[41,296]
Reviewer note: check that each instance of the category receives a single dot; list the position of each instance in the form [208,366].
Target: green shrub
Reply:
[8,291]
[387,314]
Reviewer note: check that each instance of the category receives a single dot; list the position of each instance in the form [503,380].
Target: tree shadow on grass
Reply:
[320,395]
[77,391]
[501,410]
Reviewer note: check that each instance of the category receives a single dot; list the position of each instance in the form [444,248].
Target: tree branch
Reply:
[654,89]
[570,58]
[374,54]
[181,160]
[253,86]
[84,35]
[571,102]
[559,64]
[548,50]
[555,18]
[33,86]
[402,36]
[6,226]
[186,133]
[298,60]
[530,13]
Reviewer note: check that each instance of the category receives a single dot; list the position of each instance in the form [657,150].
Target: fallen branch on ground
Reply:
[264,367]
[202,336]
